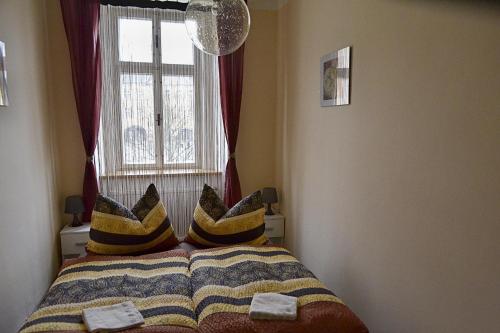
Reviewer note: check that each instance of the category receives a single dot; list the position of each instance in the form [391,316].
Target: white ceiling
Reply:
[266,4]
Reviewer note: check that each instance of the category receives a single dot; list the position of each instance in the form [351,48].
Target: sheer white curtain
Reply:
[161,121]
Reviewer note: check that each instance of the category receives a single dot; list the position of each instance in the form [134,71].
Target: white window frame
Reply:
[204,151]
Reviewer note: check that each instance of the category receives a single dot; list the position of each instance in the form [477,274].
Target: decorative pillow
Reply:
[214,225]
[115,230]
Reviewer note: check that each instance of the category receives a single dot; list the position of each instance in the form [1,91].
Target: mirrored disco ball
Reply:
[218,27]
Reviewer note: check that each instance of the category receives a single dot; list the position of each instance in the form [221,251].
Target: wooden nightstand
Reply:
[74,240]
[275,228]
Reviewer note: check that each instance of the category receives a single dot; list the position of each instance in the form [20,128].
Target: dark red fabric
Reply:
[81,22]
[231,86]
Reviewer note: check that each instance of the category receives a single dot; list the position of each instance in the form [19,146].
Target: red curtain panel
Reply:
[81,22]
[231,85]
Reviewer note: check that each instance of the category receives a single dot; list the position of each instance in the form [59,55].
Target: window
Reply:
[157,97]
[161,109]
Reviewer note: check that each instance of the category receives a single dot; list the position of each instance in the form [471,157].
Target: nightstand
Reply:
[74,240]
[275,228]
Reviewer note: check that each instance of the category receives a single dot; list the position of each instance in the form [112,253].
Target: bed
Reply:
[188,290]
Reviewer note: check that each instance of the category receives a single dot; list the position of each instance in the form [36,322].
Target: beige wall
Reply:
[394,200]
[28,211]
[71,153]
[255,152]
[256,137]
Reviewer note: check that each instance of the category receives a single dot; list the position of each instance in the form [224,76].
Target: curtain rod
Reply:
[147,4]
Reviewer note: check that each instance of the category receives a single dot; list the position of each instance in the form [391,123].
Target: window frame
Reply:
[157,69]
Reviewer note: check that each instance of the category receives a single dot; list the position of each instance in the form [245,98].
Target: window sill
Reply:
[155,172]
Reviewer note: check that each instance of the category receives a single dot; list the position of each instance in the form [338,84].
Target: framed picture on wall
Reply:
[4,99]
[335,78]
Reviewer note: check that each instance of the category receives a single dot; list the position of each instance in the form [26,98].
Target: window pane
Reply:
[138,118]
[176,46]
[136,40]
[178,119]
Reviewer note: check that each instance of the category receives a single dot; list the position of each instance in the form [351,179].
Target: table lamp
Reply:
[74,205]
[269,196]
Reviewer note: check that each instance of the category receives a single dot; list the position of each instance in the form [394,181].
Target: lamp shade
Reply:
[269,195]
[74,205]
[217,27]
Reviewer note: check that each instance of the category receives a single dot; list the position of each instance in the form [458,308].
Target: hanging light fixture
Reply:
[218,27]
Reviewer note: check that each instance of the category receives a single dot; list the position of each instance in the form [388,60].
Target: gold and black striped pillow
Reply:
[216,225]
[115,230]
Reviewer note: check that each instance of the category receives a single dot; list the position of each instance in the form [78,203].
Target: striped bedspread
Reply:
[209,291]
[158,285]
[224,281]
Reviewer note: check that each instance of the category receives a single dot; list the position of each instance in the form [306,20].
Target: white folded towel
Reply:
[112,318]
[271,306]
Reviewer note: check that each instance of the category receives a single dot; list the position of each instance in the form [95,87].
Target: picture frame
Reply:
[336,78]
[4,97]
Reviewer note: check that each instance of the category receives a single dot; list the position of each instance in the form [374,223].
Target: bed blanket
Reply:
[158,285]
[224,281]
